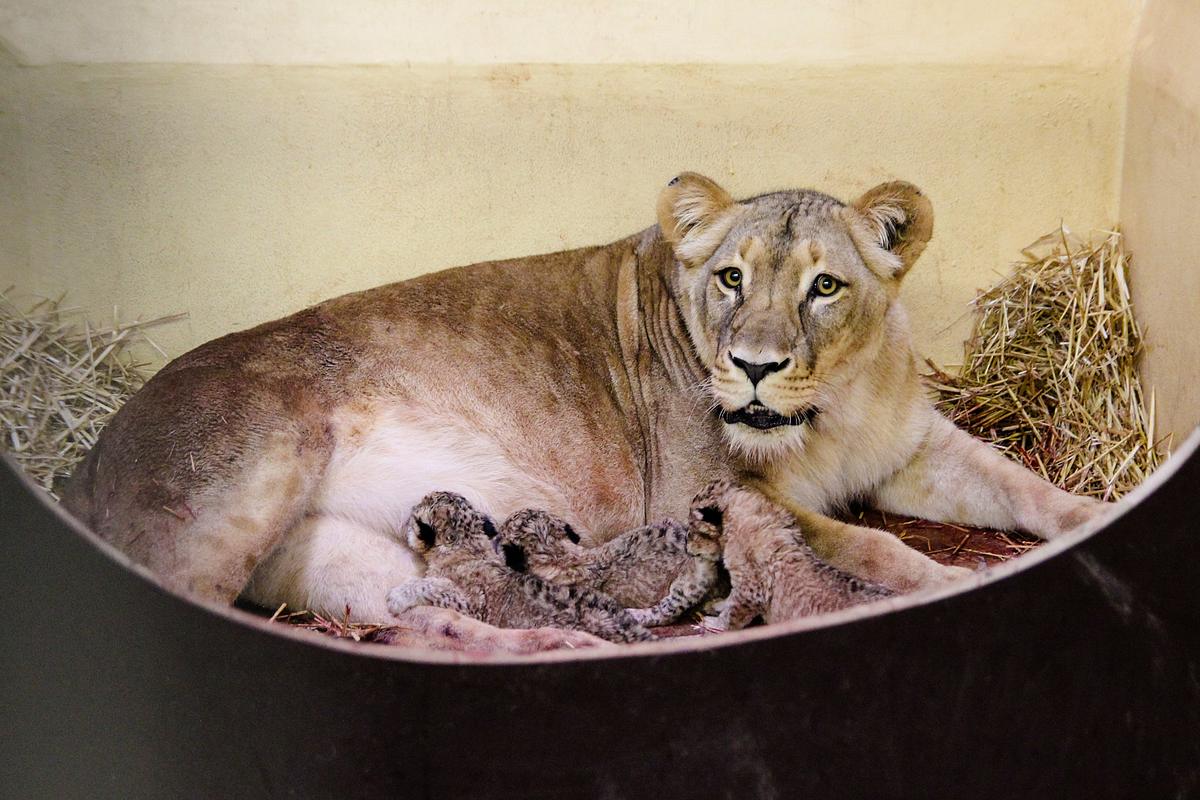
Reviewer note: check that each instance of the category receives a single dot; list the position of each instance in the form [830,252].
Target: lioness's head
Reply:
[785,295]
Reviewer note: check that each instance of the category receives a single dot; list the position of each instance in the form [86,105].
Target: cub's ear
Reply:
[514,557]
[899,220]
[694,214]
[426,533]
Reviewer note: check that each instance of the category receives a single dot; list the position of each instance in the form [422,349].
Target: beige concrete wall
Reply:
[1160,206]
[242,192]
[850,32]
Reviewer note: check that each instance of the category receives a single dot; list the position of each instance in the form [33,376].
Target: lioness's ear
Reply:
[694,214]
[899,220]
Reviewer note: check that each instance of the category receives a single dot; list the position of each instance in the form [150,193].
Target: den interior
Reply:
[204,179]
[173,171]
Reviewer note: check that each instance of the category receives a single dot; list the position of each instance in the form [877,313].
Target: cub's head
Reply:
[785,296]
[445,520]
[542,536]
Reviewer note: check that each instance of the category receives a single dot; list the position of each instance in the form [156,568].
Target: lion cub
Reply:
[774,574]
[467,571]
[657,571]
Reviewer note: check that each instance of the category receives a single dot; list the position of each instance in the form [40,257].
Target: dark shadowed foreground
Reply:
[1076,676]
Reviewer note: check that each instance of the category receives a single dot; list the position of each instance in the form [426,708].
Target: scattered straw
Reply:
[1049,373]
[60,381]
[339,628]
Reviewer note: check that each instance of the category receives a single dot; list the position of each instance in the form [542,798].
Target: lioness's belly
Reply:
[387,457]
[350,546]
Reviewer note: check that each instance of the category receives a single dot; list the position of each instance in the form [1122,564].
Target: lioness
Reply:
[759,340]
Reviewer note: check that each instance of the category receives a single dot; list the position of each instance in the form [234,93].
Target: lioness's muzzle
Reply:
[761,417]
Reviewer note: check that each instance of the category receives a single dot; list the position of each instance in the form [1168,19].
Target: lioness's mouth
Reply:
[759,416]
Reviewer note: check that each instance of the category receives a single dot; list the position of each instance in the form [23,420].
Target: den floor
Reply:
[947,544]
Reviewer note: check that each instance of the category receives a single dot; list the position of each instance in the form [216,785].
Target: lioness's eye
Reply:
[826,285]
[730,277]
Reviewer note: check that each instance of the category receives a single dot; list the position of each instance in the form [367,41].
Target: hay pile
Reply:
[1049,373]
[60,382]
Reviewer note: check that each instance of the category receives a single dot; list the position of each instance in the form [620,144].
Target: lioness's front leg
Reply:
[868,553]
[957,478]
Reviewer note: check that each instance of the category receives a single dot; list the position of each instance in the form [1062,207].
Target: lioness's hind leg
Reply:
[442,629]
[335,567]
[202,473]
[201,532]
[230,531]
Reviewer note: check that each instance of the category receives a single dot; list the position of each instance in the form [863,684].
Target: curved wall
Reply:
[1160,206]
[1073,676]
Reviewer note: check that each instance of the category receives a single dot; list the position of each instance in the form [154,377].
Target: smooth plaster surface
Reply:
[1160,207]
[241,193]
[849,32]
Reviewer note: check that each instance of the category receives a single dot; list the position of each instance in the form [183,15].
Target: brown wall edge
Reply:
[1075,676]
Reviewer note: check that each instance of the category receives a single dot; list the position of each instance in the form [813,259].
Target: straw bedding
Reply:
[61,380]
[1049,374]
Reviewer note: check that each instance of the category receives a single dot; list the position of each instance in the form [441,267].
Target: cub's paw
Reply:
[706,520]
[715,605]
[643,616]
[405,596]
[709,502]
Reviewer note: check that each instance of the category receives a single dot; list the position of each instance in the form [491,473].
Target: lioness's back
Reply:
[458,333]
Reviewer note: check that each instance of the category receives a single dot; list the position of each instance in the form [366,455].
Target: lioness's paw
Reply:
[1081,511]
[537,640]
[948,575]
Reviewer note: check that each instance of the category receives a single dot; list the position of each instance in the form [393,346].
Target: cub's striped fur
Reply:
[468,572]
[658,571]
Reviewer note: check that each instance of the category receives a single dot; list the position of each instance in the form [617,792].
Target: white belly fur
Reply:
[348,550]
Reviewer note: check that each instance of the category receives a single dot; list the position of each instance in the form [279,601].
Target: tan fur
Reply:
[583,382]
[774,575]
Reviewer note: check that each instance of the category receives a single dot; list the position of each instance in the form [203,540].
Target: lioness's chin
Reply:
[764,445]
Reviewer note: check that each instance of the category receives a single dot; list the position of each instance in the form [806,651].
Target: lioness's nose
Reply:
[756,372]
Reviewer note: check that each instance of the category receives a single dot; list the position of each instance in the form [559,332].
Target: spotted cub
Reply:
[774,574]
[658,571]
[469,571]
